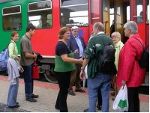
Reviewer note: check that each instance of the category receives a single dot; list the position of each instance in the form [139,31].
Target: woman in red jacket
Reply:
[129,70]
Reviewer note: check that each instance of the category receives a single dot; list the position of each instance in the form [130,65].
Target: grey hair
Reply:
[99,26]
[131,25]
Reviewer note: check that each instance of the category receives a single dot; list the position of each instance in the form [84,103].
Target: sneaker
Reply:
[71,92]
[16,106]
[34,96]
[31,100]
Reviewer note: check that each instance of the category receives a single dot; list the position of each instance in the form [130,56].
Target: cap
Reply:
[74,27]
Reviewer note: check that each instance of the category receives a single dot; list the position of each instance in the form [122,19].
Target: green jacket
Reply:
[94,46]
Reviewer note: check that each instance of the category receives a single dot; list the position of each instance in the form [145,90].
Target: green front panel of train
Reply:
[14,17]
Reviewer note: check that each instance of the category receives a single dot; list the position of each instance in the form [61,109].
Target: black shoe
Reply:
[17,103]
[31,100]
[80,90]
[71,92]
[57,108]
[86,110]
[99,107]
[34,96]
[16,106]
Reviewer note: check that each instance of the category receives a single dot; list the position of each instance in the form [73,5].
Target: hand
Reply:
[35,55]
[80,61]
[17,58]
[123,82]
[76,51]
[82,74]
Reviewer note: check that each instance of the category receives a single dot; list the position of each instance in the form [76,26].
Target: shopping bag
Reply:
[35,71]
[121,101]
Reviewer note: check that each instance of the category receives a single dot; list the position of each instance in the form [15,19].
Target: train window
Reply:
[128,13]
[147,10]
[40,14]
[74,12]
[139,12]
[11,18]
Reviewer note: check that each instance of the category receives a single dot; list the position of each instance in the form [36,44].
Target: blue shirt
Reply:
[79,45]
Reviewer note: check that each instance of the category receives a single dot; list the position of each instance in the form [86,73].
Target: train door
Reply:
[115,15]
[139,15]
[106,17]
[95,12]
[119,14]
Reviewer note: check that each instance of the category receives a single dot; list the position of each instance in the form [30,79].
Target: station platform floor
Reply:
[47,96]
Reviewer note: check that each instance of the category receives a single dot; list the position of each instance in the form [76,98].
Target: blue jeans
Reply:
[102,81]
[12,93]
[28,81]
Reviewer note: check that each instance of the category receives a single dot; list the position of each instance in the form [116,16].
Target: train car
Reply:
[50,15]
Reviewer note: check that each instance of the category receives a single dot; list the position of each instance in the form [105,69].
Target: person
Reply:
[27,58]
[116,38]
[64,65]
[77,45]
[112,27]
[99,98]
[129,70]
[140,17]
[96,78]
[13,68]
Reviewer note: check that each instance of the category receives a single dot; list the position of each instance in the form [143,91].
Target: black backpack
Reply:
[144,60]
[106,60]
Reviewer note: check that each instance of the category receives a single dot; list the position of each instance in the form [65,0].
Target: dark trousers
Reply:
[133,99]
[75,78]
[99,98]
[63,81]
[28,80]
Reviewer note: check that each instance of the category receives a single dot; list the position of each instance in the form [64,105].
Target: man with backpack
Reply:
[129,70]
[100,57]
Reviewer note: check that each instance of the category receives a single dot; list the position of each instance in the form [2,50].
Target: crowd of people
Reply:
[72,57]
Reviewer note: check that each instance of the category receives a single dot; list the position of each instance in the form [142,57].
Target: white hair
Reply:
[131,25]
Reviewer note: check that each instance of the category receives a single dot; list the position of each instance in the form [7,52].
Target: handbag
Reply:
[35,71]
[121,101]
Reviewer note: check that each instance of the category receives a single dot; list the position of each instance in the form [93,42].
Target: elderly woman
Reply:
[13,68]
[64,65]
[116,37]
[129,70]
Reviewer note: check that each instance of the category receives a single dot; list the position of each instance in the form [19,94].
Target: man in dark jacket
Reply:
[77,45]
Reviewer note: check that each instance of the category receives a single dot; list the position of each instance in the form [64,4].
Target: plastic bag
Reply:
[121,101]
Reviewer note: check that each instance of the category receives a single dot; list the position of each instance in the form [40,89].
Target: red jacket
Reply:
[129,68]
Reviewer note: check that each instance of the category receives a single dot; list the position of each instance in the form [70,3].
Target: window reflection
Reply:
[40,14]
[139,11]
[12,18]
[74,12]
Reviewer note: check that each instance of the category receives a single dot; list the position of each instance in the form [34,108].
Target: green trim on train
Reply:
[5,35]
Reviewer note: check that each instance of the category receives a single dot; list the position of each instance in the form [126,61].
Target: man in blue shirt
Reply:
[77,45]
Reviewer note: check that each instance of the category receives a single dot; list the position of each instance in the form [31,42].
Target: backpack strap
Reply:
[140,42]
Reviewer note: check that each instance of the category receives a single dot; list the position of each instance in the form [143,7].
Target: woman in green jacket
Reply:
[64,65]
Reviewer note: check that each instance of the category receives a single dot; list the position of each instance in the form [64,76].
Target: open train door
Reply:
[140,15]
[119,14]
